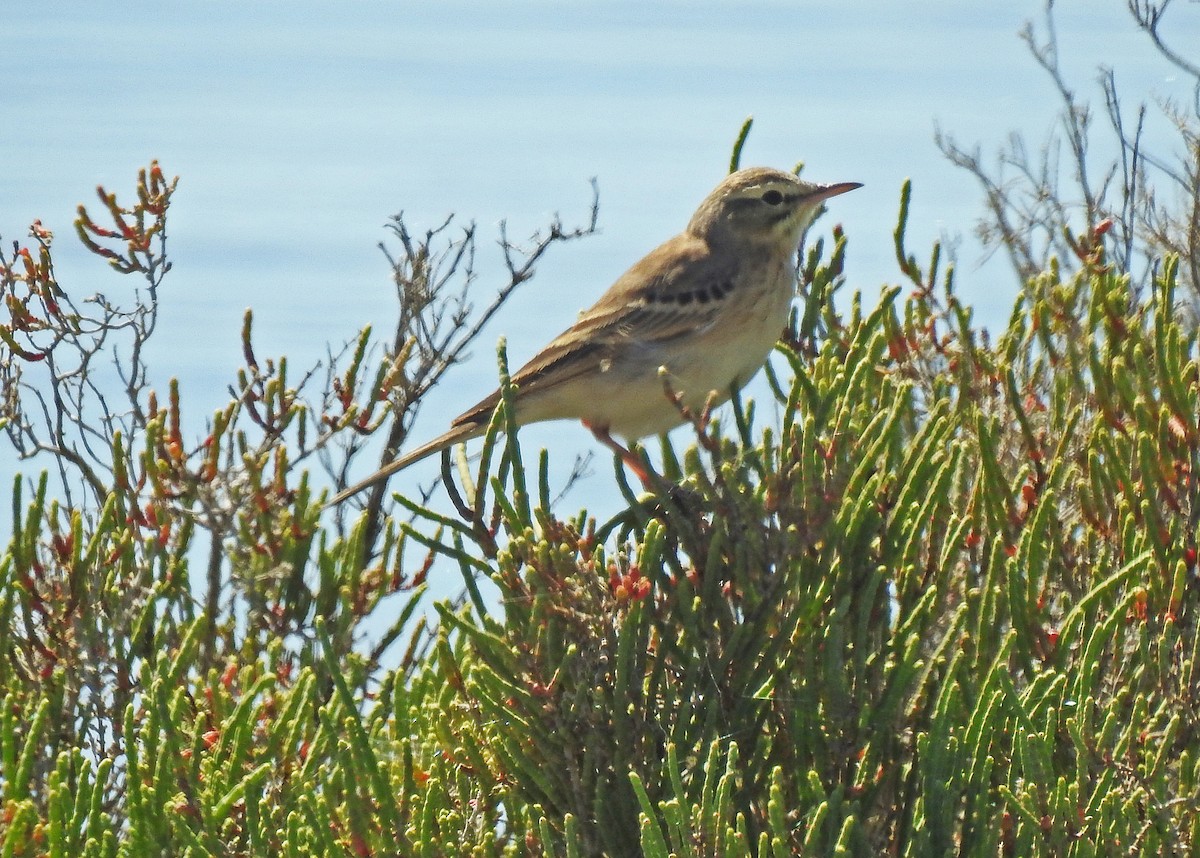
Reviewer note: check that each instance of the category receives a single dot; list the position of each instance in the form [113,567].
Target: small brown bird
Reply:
[707,305]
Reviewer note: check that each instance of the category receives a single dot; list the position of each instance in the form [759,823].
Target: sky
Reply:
[298,129]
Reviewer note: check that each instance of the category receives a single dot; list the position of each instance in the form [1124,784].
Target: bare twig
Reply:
[1033,217]
[442,327]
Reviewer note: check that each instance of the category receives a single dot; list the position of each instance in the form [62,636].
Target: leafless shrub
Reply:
[1049,201]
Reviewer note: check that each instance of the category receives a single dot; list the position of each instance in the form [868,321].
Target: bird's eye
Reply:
[772,197]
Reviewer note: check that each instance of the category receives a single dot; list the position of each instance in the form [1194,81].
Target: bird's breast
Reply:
[625,390]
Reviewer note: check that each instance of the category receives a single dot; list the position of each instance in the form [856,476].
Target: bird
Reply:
[705,307]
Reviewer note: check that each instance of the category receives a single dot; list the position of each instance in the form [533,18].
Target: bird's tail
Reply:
[464,432]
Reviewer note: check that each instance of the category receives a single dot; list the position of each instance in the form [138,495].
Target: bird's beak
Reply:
[827,191]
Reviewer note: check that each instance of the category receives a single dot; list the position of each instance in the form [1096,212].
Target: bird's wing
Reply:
[676,290]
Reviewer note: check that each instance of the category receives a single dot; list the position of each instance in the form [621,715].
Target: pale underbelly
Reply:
[628,395]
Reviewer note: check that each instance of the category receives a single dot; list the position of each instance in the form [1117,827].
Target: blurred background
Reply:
[299,128]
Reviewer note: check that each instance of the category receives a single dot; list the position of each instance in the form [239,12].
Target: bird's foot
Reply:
[684,498]
[628,457]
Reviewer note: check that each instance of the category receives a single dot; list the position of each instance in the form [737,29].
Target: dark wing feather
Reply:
[675,290]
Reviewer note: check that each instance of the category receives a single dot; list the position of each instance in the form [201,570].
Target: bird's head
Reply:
[762,206]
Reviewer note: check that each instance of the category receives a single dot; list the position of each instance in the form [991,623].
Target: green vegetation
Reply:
[948,606]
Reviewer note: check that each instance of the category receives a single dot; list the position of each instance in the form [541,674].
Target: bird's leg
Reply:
[627,456]
[687,500]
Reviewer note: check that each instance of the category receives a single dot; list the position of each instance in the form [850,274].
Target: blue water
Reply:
[299,128]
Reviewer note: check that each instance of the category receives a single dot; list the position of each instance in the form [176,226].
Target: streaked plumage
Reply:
[708,304]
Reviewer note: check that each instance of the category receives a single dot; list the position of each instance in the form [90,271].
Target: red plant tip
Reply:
[62,546]
[1103,227]
[229,675]
[629,586]
[211,738]
[1140,600]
